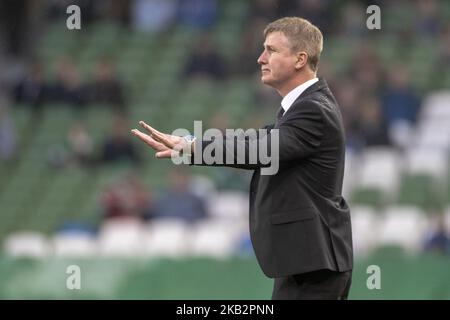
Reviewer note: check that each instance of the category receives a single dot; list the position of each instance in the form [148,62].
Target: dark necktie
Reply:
[280,113]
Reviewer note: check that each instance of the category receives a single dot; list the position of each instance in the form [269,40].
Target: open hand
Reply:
[165,145]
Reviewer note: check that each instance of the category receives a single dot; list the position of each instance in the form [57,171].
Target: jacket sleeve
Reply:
[238,150]
[297,136]
[301,132]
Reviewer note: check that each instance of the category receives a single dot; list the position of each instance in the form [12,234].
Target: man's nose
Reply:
[262,58]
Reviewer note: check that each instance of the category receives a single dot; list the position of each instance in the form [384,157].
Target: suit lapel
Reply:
[319,85]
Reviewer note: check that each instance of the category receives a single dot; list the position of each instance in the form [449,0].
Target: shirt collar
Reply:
[289,99]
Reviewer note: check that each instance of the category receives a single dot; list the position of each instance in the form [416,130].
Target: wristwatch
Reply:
[190,140]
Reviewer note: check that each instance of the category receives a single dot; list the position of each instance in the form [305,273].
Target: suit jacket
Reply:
[299,221]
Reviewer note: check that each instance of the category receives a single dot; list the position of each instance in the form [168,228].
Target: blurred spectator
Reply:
[32,89]
[244,246]
[205,61]
[202,186]
[119,146]
[179,201]
[427,20]
[347,93]
[400,102]
[139,200]
[444,44]
[267,10]
[106,88]
[438,240]
[316,11]
[80,145]
[115,10]
[153,15]
[76,150]
[68,87]
[75,228]
[197,13]
[442,66]
[7,132]
[14,24]
[353,17]
[366,69]
[326,71]
[372,127]
[126,197]
[111,203]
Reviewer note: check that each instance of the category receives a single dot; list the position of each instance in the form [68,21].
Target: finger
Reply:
[148,140]
[145,138]
[157,135]
[148,128]
[164,154]
[164,139]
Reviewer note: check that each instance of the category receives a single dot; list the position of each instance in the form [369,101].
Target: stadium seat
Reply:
[447,217]
[433,134]
[215,238]
[428,161]
[404,226]
[433,129]
[166,238]
[229,205]
[27,244]
[74,244]
[365,228]
[436,105]
[380,168]
[120,238]
[350,174]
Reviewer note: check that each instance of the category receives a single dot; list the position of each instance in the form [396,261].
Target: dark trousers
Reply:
[315,285]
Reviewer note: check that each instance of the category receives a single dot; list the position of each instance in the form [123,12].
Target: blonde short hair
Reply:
[302,35]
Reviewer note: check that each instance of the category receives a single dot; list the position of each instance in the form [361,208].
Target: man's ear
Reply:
[302,59]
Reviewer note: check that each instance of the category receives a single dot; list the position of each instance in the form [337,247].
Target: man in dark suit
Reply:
[299,222]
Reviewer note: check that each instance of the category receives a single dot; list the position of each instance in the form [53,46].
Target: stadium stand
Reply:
[50,207]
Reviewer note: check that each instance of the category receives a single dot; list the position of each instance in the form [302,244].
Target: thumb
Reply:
[164,154]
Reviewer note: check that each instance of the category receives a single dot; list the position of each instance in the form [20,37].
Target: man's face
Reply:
[277,61]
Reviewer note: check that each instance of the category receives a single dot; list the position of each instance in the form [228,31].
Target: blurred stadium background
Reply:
[76,189]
